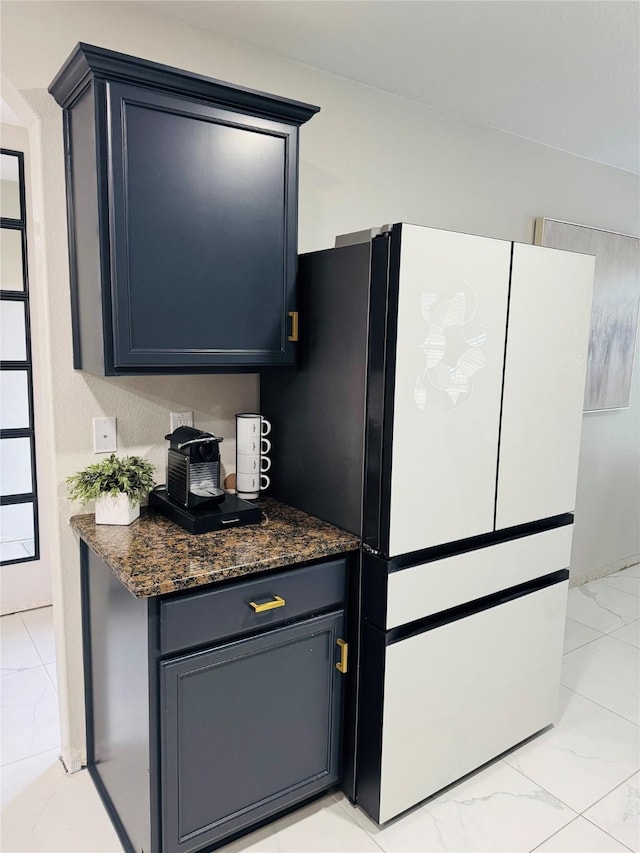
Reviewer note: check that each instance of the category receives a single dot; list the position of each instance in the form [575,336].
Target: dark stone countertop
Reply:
[153,555]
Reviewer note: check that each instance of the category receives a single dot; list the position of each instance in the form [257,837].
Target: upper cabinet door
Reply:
[202,239]
[546,357]
[182,217]
[452,303]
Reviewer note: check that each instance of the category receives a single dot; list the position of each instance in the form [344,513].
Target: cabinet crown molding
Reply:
[88,61]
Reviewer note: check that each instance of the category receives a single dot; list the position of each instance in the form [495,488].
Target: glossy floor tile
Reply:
[13,631]
[607,671]
[619,813]
[39,624]
[15,658]
[29,709]
[576,634]
[587,753]
[630,571]
[53,674]
[628,633]
[624,581]
[46,809]
[578,837]
[324,826]
[495,809]
[572,788]
[601,606]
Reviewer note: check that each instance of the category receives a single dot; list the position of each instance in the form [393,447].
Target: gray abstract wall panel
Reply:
[614,316]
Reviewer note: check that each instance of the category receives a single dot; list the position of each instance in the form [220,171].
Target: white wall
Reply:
[366,158]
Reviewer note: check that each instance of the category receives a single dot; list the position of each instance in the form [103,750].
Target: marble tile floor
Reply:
[575,787]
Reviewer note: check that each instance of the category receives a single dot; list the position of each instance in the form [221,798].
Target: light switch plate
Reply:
[104,435]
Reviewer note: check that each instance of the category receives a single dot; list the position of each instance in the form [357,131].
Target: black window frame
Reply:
[25,366]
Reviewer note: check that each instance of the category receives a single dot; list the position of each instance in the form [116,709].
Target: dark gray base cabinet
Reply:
[182,214]
[191,746]
[247,727]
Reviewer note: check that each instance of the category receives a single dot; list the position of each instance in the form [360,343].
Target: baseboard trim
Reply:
[73,760]
[603,571]
[38,606]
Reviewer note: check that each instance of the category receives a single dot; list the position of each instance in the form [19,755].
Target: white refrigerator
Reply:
[436,412]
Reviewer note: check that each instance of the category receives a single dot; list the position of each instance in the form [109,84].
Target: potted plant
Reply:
[116,485]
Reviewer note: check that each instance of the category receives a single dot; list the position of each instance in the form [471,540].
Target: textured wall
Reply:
[367,158]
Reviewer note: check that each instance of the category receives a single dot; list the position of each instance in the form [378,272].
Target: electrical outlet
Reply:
[178,419]
[104,435]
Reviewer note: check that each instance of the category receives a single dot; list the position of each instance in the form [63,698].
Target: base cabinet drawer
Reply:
[201,618]
[249,728]
[458,695]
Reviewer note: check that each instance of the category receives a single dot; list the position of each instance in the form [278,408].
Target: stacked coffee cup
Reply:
[252,461]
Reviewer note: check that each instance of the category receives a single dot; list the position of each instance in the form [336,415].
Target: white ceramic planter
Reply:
[116,510]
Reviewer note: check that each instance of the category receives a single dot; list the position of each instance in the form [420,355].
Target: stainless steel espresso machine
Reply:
[193,497]
[193,467]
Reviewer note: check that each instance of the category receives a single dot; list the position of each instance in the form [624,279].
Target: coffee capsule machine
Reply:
[193,467]
[193,497]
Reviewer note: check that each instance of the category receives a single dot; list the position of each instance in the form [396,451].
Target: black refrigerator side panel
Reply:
[318,411]
[383,322]
[370,719]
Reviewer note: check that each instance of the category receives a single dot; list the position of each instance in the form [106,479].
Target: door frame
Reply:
[26,584]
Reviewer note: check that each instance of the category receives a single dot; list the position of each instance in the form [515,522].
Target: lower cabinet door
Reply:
[249,728]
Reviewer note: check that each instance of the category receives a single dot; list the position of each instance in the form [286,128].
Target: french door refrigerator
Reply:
[436,412]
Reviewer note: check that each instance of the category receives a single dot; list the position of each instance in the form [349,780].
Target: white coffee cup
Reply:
[251,424]
[251,444]
[250,485]
[252,463]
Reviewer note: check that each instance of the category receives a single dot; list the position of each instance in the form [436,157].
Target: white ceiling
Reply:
[562,72]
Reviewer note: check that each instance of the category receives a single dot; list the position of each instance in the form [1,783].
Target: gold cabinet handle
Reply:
[341,666]
[268,605]
[294,326]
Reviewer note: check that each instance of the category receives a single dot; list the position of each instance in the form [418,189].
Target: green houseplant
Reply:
[116,485]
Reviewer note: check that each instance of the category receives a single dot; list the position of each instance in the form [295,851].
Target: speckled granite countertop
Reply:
[153,555]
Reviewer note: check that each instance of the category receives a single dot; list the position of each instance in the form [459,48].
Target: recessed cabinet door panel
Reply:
[202,257]
[549,318]
[249,728]
[448,380]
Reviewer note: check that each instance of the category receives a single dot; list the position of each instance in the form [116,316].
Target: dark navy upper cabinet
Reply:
[182,210]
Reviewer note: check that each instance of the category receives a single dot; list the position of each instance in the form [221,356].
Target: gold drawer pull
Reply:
[341,666]
[294,326]
[268,605]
